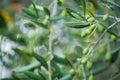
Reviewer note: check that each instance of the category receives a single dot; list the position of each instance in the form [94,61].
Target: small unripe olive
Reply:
[83,34]
[89,65]
[92,27]
[105,17]
[88,31]
[108,56]
[90,77]
[62,1]
[85,50]
[83,60]
[100,28]
[63,14]
[113,37]
[91,19]
[72,71]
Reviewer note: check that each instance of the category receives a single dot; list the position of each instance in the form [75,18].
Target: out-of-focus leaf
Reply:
[69,11]
[43,75]
[29,12]
[97,70]
[66,77]
[19,76]
[113,33]
[41,60]
[30,25]
[113,3]
[116,76]
[114,55]
[21,52]
[36,10]
[78,2]
[47,11]
[41,24]
[3,23]
[31,66]
[60,60]
[76,24]
[33,76]
[84,6]
[57,68]
[55,18]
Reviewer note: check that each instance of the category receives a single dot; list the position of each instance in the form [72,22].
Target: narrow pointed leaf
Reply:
[60,60]
[29,12]
[33,76]
[36,10]
[66,77]
[41,60]
[47,11]
[76,24]
[69,11]
[57,68]
[84,6]
[31,66]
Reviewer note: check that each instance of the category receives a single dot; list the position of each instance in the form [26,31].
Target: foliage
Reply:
[65,41]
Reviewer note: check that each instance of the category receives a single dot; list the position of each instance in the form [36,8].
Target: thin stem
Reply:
[112,17]
[102,37]
[54,10]
[83,71]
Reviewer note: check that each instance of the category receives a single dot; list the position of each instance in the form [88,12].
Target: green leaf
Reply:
[66,77]
[21,52]
[57,68]
[41,60]
[76,24]
[33,76]
[55,18]
[31,66]
[43,75]
[46,11]
[70,11]
[60,60]
[84,6]
[30,25]
[29,12]
[113,3]
[19,76]
[34,5]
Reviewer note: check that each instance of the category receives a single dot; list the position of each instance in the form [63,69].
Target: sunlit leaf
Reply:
[31,66]
[69,11]
[76,24]
[66,77]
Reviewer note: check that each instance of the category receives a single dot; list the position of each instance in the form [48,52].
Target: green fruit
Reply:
[72,71]
[89,65]
[63,14]
[113,37]
[88,31]
[90,77]
[62,1]
[85,50]
[83,60]
[108,56]
[105,17]
[100,28]
[92,27]
[91,19]
[83,34]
